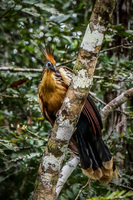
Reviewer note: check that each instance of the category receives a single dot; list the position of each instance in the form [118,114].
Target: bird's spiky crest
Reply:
[48,53]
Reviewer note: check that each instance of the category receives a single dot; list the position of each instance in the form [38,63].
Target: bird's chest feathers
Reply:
[51,92]
[48,83]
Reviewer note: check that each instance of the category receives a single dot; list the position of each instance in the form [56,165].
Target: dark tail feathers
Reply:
[96,160]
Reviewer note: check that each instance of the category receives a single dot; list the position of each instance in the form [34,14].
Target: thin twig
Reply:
[122,112]
[34,134]
[97,99]
[67,62]
[120,185]
[119,124]
[119,46]
[8,96]
[80,191]
[13,69]
[7,11]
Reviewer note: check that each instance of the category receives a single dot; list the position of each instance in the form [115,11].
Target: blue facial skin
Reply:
[50,66]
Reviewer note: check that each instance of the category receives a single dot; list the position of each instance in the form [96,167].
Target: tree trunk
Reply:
[121,16]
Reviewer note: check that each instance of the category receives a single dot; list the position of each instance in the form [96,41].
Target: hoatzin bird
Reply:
[86,142]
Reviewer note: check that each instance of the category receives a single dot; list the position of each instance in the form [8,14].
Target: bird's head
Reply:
[50,62]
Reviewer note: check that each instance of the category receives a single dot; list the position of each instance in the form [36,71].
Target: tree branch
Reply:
[102,102]
[126,46]
[31,70]
[110,107]
[13,69]
[68,168]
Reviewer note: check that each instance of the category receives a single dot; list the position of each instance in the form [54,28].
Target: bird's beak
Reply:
[54,68]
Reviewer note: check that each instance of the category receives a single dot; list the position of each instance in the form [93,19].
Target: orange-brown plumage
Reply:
[86,142]
[51,95]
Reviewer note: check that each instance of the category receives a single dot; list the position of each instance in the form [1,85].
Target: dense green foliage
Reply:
[23,132]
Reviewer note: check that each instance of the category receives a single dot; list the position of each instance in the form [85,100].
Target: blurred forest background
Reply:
[23,131]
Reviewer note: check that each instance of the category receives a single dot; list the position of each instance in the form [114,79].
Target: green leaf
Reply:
[31,12]
[61,18]
[46,8]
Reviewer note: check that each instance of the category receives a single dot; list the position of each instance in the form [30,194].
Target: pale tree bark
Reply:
[45,186]
[105,112]
[66,171]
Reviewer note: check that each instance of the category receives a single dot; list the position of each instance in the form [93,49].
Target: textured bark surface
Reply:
[66,171]
[45,187]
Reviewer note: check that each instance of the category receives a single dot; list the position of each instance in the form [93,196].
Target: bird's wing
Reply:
[64,74]
[44,111]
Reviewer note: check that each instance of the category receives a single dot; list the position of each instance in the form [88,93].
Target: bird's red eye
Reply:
[48,64]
